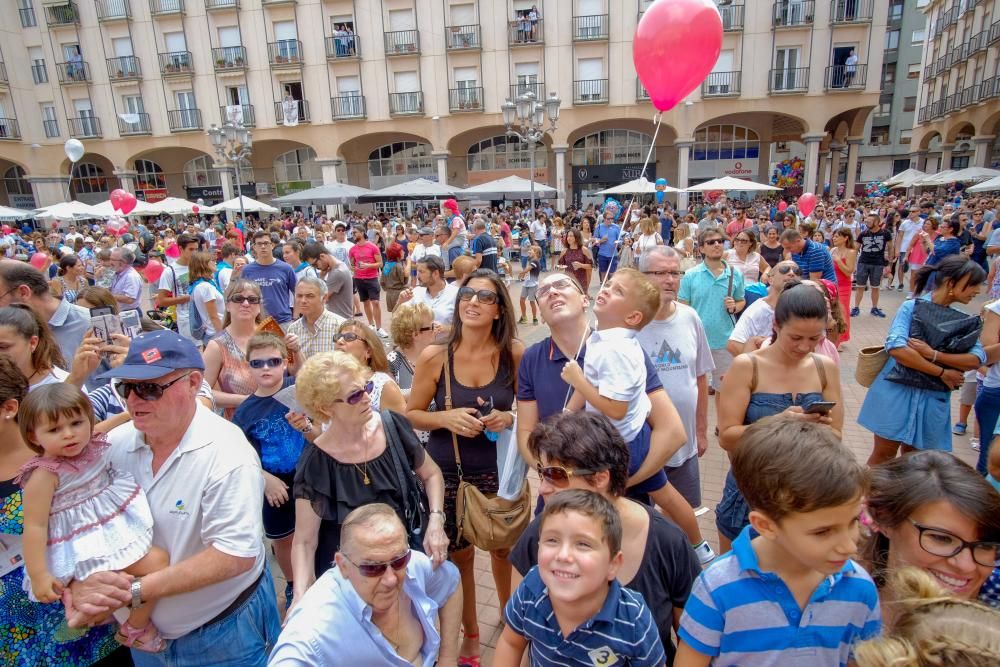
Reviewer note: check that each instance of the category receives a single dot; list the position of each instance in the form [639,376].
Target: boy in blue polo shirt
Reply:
[788,594]
[569,607]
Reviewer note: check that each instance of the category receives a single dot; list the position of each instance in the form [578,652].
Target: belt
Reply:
[238,602]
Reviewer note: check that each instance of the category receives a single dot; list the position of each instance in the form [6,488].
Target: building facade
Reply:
[959,108]
[380,91]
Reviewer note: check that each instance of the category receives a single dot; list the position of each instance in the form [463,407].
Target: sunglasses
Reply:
[347,337]
[147,391]
[372,570]
[794,270]
[713,242]
[485,296]
[425,329]
[240,299]
[561,284]
[355,396]
[272,362]
[559,476]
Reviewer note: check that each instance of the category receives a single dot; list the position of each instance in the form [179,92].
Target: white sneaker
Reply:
[974,443]
[381,333]
[705,553]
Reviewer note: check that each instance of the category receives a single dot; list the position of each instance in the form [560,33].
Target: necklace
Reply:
[364,471]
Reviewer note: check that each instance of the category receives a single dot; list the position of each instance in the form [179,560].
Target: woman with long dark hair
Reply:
[70,279]
[577,259]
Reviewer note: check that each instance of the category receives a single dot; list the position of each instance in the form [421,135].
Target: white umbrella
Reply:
[970,174]
[638,186]
[175,206]
[418,189]
[72,210]
[940,178]
[8,214]
[904,178]
[249,205]
[727,183]
[334,193]
[987,186]
[510,187]
[106,210]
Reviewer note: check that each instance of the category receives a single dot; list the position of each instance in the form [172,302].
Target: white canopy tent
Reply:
[904,178]
[323,195]
[8,214]
[510,187]
[986,186]
[249,205]
[66,211]
[638,186]
[970,174]
[175,206]
[728,183]
[106,210]
[419,189]
[940,178]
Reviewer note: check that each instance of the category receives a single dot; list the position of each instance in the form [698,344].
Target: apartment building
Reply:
[380,91]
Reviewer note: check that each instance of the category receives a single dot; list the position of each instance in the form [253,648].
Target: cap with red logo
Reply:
[155,354]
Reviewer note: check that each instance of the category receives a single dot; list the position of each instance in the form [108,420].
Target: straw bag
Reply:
[490,523]
[870,363]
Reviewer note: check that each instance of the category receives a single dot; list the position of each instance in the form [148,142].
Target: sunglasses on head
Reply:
[794,270]
[271,362]
[372,570]
[240,299]
[485,296]
[355,396]
[347,337]
[147,391]
[559,476]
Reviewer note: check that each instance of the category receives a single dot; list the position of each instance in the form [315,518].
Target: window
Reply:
[883,109]
[891,40]
[909,103]
[504,153]
[913,71]
[15,182]
[725,142]
[298,165]
[879,135]
[199,172]
[38,71]
[888,75]
[905,136]
[149,176]
[612,147]
[88,178]
[49,122]
[918,36]
[895,10]
[27,13]
[404,159]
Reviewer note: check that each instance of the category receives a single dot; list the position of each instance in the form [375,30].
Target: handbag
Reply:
[488,522]
[414,499]
[946,330]
[871,360]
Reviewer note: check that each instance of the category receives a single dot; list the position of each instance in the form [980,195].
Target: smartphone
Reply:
[820,407]
[131,323]
[106,325]
[101,310]
[486,408]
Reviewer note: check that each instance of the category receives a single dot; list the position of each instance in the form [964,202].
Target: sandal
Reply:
[146,639]
[469,660]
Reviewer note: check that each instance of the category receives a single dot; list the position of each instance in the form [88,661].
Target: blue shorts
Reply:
[605,264]
[279,521]
[638,450]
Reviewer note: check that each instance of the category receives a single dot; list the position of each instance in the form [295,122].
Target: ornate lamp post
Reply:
[233,143]
[525,119]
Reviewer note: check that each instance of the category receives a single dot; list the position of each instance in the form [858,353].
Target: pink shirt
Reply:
[364,253]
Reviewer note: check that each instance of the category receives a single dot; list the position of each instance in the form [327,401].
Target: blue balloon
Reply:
[660,184]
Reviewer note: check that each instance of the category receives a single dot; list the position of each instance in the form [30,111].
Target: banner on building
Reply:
[290,111]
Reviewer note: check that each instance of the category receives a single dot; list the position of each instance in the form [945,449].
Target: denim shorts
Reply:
[732,514]
[605,264]
[242,639]
[638,450]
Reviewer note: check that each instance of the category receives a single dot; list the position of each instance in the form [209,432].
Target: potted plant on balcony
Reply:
[220,63]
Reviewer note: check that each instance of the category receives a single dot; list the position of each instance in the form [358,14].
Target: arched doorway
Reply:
[500,156]
[16,190]
[296,170]
[150,181]
[607,158]
[724,150]
[90,182]
[399,162]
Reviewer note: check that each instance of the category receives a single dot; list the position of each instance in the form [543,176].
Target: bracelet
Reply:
[441,512]
[934,360]
[941,374]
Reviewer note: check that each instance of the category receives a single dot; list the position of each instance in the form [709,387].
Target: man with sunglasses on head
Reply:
[383,604]
[215,603]
[757,321]
[316,327]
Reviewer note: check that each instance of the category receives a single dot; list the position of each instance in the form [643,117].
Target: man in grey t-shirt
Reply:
[336,274]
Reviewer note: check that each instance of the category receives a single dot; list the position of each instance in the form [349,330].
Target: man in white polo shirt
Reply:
[433,290]
[215,603]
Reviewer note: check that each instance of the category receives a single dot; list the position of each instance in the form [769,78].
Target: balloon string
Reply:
[658,120]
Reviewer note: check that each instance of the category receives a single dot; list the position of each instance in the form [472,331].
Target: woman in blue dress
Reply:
[946,243]
[900,415]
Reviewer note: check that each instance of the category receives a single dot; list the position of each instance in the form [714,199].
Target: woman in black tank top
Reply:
[482,356]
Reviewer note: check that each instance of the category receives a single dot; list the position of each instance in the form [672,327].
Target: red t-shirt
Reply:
[364,253]
[735,227]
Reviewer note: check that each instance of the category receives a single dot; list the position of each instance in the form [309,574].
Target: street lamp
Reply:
[233,143]
[525,119]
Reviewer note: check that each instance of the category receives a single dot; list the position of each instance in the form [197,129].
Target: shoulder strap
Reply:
[753,376]
[729,288]
[394,444]
[448,406]
[820,369]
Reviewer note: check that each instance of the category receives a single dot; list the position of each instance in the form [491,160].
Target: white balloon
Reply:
[74,149]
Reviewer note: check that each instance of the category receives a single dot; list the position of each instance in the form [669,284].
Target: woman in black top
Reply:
[582,450]
[770,247]
[483,356]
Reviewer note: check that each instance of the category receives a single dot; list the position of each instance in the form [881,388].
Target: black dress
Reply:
[771,255]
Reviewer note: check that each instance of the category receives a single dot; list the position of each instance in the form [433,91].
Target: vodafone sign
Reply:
[746,169]
[737,171]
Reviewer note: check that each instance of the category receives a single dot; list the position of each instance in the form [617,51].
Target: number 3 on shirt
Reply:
[603,657]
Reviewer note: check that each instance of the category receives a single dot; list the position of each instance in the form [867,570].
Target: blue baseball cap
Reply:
[152,355]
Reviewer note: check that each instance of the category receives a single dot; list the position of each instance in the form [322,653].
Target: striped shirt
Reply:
[622,632]
[816,258]
[317,339]
[743,616]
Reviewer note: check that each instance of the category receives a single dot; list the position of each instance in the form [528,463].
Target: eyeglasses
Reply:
[372,570]
[713,242]
[559,476]
[425,329]
[355,396]
[347,337]
[262,243]
[660,274]
[794,270]
[272,362]
[941,543]
[743,240]
[147,391]
[561,284]
[240,299]
[485,296]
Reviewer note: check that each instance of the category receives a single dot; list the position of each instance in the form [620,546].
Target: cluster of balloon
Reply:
[123,201]
[807,203]
[117,225]
[661,184]
[788,173]
[675,47]
[876,189]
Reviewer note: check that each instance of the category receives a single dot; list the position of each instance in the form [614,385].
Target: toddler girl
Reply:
[80,515]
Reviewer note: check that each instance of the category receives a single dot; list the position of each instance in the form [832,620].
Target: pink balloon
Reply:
[153,271]
[128,203]
[675,47]
[782,205]
[39,260]
[195,209]
[807,203]
[117,198]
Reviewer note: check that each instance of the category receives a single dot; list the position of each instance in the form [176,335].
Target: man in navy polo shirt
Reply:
[813,258]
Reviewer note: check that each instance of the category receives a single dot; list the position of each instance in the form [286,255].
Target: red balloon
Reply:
[807,203]
[117,198]
[713,195]
[782,205]
[675,47]
[128,203]
[195,209]
[153,271]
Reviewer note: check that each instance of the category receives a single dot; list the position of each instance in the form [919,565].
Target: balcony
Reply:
[84,127]
[402,43]
[522,32]
[295,113]
[641,94]
[285,53]
[3,74]
[278,2]
[141,125]
[845,77]
[71,73]
[348,107]
[212,5]
[9,129]
[978,42]
[590,28]
[789,80]
[848,12]
[722,84]
[465,99]
[969,96]
[462,37]
[793,13]
[406,104]
[928,73]
[51,128]
[230,58]
[28,18]
[989,89]
[62,15]
[994,34]
[242,113]
[109,11]
[535,88]
[184,120]
[124,68]
[176,63]
[166,7]
[343,47]
[590,91]
[732,17]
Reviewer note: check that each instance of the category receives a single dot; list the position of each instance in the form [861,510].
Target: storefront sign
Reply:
[22,201]
[151,195]
[282,189]
[213,193]
[611,173]
[745,169]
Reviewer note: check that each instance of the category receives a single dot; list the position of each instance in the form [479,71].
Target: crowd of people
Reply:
[264,414]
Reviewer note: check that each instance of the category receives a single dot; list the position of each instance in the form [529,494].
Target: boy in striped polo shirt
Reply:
[788,594]
[569,607]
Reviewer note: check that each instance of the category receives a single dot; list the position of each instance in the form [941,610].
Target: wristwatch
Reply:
[136,590]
